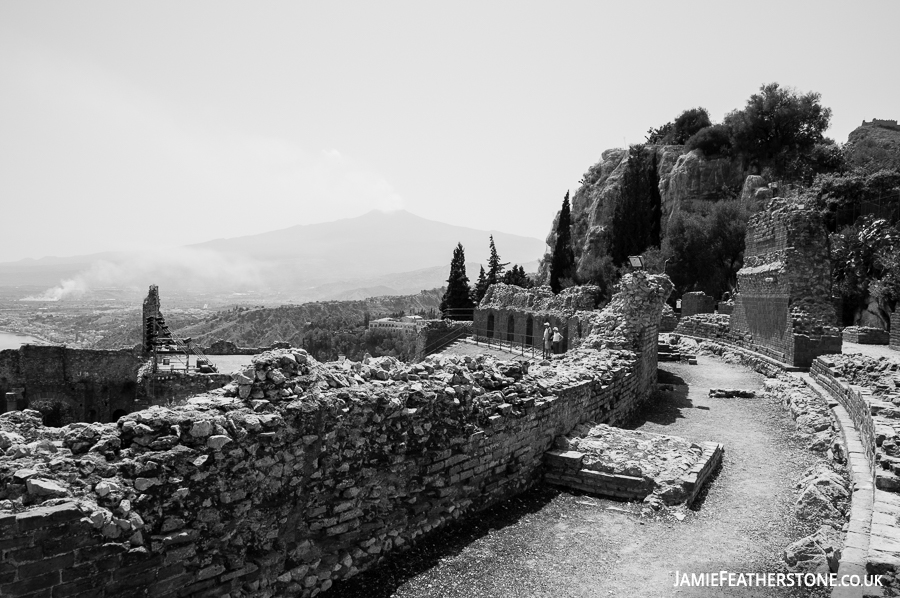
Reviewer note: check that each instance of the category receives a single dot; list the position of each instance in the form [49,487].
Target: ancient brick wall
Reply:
[93,384]
[783,306]
[311,477]
[853,399]
[513,314]
[865,335]
[522,327]
[697,303]
[895,330]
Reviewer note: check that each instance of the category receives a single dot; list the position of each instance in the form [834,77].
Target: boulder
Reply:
[818,553]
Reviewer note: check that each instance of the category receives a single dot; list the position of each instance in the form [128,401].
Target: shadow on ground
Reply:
[665,406]
[387,576]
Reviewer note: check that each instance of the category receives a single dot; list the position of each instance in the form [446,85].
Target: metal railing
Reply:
[458,313]
[186,348]
[483,336]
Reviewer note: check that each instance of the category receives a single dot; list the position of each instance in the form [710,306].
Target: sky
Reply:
[132,126]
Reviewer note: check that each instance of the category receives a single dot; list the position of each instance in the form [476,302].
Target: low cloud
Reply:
[182,268]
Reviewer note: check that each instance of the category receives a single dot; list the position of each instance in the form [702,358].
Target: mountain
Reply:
[374,244]
[382,253]
[398,283]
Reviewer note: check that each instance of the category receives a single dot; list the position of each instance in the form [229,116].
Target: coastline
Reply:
[39,340]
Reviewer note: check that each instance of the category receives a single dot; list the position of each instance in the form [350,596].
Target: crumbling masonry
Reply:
[783,307]
[300,473]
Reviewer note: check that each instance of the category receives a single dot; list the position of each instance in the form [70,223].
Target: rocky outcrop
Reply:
[682,178]
[874,145]
[755,192]
[693,177]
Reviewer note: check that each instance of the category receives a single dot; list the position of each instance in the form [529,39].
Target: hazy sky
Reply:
[126,124]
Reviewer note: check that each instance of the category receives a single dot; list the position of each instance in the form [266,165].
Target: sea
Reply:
[8,340]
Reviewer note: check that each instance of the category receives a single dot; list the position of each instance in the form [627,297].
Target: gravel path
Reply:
[551,543]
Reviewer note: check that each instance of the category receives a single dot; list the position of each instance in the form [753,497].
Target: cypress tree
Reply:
[562,265]
[458,295]
[495,268]
[480,287]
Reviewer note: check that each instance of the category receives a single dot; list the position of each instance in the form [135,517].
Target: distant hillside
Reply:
[255,327]
[874,146]
[399,251]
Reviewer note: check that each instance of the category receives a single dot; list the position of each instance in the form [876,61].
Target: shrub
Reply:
[712,141]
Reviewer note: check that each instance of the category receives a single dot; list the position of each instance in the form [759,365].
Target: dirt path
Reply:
[550,543]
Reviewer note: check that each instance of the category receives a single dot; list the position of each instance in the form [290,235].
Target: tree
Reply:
[562,264]
[776,128]
[457,298]
[495,267]
[713,141]
[481,287]
[635,222]
[706,251]
[516,276]
[684,126]
[864,258]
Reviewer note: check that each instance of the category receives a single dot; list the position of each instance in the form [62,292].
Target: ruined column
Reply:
[783,306]
[150,316]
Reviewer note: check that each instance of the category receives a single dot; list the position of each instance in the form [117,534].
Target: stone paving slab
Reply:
[632,465]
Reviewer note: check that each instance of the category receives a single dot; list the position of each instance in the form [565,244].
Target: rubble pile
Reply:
[824,497]
[824,492]
[879,374]
[637,305]
[815,423]
[874,392]
[657,469]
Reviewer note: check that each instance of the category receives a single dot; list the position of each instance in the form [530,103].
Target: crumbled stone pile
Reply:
[824,498]
[824,492]
[815,424]
[636,306]
[660,460]
[657,469]
[881,375]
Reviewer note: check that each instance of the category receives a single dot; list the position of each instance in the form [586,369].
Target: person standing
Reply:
[557,340]
[547,337]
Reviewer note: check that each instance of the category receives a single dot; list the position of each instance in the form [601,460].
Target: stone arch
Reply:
[529,331]
[511,328]
[490,326]
[117,414]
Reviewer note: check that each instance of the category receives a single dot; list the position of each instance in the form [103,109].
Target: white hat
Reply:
[555,329]
[546,323]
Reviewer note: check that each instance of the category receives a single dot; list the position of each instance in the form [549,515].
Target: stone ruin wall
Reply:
[509,313]
[697,303]
[254,497]
[783,306]
[95,385]
[895,330]
[92,384]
